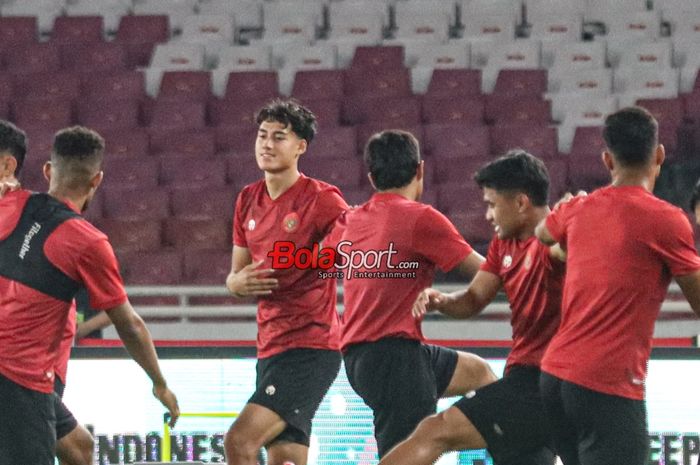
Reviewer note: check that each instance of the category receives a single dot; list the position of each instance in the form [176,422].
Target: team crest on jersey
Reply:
[251,224]
[290,222]
[507,261]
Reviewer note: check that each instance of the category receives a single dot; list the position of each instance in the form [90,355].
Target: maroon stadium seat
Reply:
[340,142]
[448,83]
[198,144]
[341,172]
[365,131]
[121,171]
[18,30]
[318,84]
[126,143]
[102,57]
[521,82]
[392,111]
[207,266]
[502,109]
[193,171]
[77,29]
[107,116]
[473,226]
[177,115]
[378,83]
[185,234]
[127,236]
[136,203]
[59,86]
[457,140]
[202,203]
[152,267]
[379,57]
[6,88]
[327,112]
[227,113]
[241,172]
[462,109]
[539,140]
[53,114]
[457,169]
[140,33]
[33,58]
[128,85]
[461,197]
[251,85]
[186,85]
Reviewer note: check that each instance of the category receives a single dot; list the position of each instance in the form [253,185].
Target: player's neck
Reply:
[537,215]
[65,195]
[278,183]
[634,177]
[410,192]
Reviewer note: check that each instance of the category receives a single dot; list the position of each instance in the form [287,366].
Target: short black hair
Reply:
[695,198]
[631,135]
[290,113]
[516,171]
[78,143]
[14,141]
[392,157]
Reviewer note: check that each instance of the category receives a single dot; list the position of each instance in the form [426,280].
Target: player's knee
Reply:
[238,445]
[87,447]
[436,431]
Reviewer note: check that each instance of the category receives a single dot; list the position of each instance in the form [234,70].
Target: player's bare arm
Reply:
[557,253]
[690,285]
[461,304]
[246,278]
[137,340]
[543,234]
[98,322]
[471,264]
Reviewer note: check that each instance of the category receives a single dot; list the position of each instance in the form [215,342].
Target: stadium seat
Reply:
[247,13]
[297,28]
[48,85]
[236,140]
[479,8]
[253,85]
[18,30]
[451,140]
[600,11]
[139,34]
[513,82]
[511,63]
[33,58]
[553,29]
[186,85]
[457,168]
[128,85]
[178,56]
[175,10]
[489,29]
[161,268]
[281,10]
[454,54]
[109,115]
[340,12]
[327,112]
[207,267]
[45,11]
[243,169]
[45,114]
[583,81]
[132,236]
[429,26]
[319,84]
[473,226]
[341,172]
[78,30]
[461,197]
[171,115]
[579,111]
[185,234]
[519,109]
[98,57]
[627,25]
[644,54]
[126,143]
[365,131]
[234,114]
[578,55]
[290,59]
[389,110]
[135,204]
[334,142]
[200,144]
[370,59]
[110,10]
[202,203]
[453,82]
[460,109]
[208,29]
[540,140]
[378,83]
[192,171]
[129,171]
[361,26]
[644,83]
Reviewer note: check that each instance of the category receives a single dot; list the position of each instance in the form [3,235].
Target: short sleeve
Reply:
[239,238]
[557,221]
[676,245]
[330,205]
[438,240]
[493,258]
[99,271]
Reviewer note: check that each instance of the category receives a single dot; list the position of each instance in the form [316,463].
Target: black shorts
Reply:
[27,421]
[590,427]
[65,421]
[510,417]
[401,380]
[292,384]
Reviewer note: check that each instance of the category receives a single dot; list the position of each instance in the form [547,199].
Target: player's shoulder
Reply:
[318,187]
[81,228]
[252,189]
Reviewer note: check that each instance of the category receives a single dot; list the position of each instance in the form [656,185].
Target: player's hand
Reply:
[169,401]
[252,281]
[426,302]
[567,198]
[8,186]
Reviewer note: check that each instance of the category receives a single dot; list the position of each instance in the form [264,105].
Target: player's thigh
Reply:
[256,426]
[76,447]
[471,372]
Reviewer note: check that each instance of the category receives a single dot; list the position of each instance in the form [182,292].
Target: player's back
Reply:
[397,243]
[623,246]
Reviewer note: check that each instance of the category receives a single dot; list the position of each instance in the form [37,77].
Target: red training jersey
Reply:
[410,237]
[32,324]
[66,344]
[533,283]
[301,312]
[623,245]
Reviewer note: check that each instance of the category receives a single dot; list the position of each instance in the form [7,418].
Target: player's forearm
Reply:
[138,342]
[460,305]
[93,324]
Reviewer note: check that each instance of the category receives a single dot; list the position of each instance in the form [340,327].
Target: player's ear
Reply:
[371,181]
[420,171]
[523,202]
[608,160]
[96,180]
[47,170]
[303,145]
